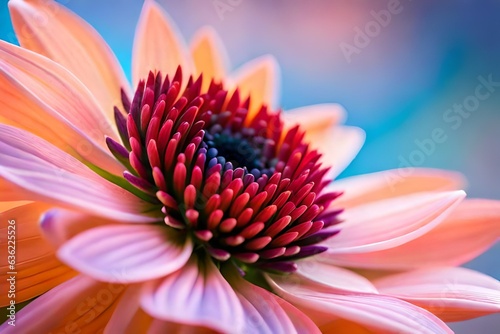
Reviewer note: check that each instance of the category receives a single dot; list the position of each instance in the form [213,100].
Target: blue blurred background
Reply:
[398,87]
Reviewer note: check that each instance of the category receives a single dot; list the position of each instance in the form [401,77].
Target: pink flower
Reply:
[192,206]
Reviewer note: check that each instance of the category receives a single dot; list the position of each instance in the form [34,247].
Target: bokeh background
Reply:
[397,87]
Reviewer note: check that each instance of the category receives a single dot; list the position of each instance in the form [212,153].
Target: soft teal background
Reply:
[397,88]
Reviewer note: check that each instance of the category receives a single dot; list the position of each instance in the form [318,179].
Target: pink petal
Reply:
[259,79]
[195,295]
[38,270]
[338,145]
[474,225]
[158,45]
[453,294]
[44,98]
[267,313]
[362,189]
[302,323]
[127,253]
[380,314]
[59,225]
[392,222]
[70,41]
[50,175]
[209,56]
[80,303]
[316,117]
[316,272]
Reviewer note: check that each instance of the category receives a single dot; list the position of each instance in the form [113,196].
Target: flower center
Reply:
[241,185]
[238,149]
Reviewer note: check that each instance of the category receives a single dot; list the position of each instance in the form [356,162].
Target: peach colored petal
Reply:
[380,314]
[474,225]
[24,226]
[188,297]
[78,304]
[35,264]
[159,326]
[128,317]
[94,311]
[44,98]
[392,222]
[266,313]
[50,175]
[57,33]
[338,145]
[96,325]
[453,294]
[158,45]
[209,56]
[4,206]
[12,192]
[323,274]
[127,253]
[342,326]
[362,189]
[50,274]
[315,117]
[259,79]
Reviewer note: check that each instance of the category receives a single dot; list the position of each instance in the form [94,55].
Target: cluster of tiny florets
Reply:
[244,187]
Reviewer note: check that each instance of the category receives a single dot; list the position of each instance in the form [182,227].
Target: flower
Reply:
[192,207]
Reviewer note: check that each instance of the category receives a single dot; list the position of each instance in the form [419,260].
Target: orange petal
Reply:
[129,318]
[453,294]
[469,231]
[158,45]
[362,189]
[22,222]
[342,326]
[78,304]
[4,206]
[12,193]
[209,56]
[159,326]
[338,145]
[44,98]
[50,273]
[53,31]
[36,266]
[316,117]
[94,310]
[259,79]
